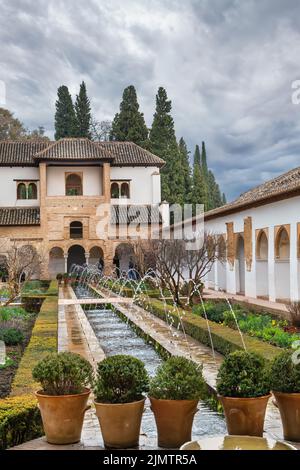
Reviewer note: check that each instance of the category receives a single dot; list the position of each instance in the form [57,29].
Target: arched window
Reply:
[73,185]
[262,246]
[282,247]
[21,191]
[125,190]
[114,191]
[76,230]
[32,191]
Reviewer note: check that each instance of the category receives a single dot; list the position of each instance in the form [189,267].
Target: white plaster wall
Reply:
[262,284]
[92,179]
[281,280]
[143,188]
[8,187]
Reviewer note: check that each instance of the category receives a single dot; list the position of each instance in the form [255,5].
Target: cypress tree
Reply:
[129,124]
[204,160]
[65,114]
[186,169]
[198,194]
[163,143]
[83,113]
[224,201]
[215,198]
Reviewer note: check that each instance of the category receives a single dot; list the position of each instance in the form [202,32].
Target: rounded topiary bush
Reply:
[11,336]
[63,373]
[177,379]
[285,373]
[121,379]
[243,375]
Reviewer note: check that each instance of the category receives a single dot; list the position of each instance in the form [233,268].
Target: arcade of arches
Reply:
[259,263]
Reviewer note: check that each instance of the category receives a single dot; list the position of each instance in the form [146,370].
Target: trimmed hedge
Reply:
[20,421]
[43,341]
[225,339]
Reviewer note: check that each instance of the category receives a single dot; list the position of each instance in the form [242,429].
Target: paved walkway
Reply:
[276,308]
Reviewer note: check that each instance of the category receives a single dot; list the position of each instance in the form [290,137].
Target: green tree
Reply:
[163,143]
[224,201]
[10,127]
[65,114]
[204,160]
[129,124]
[215,197]
[198,193]
[185,165]
[82,113]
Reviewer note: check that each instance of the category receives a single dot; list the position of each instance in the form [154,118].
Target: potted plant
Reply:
[66,279]
[244,390]
[285,386]
[174,394]
[59,278]
[119,391]
[63,398]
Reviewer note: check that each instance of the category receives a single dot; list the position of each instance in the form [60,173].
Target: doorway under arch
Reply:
[97,257]
[282,264]
[76,255]
[240,265]
[262,274]
[56,262]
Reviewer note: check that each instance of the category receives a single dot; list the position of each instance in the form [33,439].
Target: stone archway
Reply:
[262,274]
[96,257]
[123,259]
[76,255]
[282,263]
[56,262]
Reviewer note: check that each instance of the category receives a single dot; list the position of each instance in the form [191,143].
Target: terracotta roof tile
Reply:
[277,187]
[19,216]
[22,153]
[130,154]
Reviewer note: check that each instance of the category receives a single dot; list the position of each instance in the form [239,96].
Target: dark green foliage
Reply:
[204,160]
[63,373]
[243,375]
[82,113]
[177,379]
[285,373]
[20,420]
[121,379]
[129,124]
[163,143]
[214,311]
[198,193]
[186,169]
[65,114]
[224,201]
[213,190]
[11,336]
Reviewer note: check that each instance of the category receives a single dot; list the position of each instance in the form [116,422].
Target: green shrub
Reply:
[285,374]
[244,375]
[177,379]
[42,342]
[11,336]
[20,421]
[63,373]
[214,311]
[8,313]
[121,379]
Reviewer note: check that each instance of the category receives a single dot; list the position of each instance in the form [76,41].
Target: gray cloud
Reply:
[227,66]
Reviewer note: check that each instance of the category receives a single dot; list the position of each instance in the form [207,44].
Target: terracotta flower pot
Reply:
[289,407]
[63,416]
[245,416]
[174,421]
[120,423]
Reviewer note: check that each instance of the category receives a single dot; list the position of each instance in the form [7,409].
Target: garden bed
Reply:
[22,321]
[225,339]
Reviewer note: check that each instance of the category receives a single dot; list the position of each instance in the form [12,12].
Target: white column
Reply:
[66,263]
[87,257]
[271,265]
[294,291]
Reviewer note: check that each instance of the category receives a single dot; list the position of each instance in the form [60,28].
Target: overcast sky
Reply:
[227,65]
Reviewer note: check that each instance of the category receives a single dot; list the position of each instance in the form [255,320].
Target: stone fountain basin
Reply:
[237,443]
